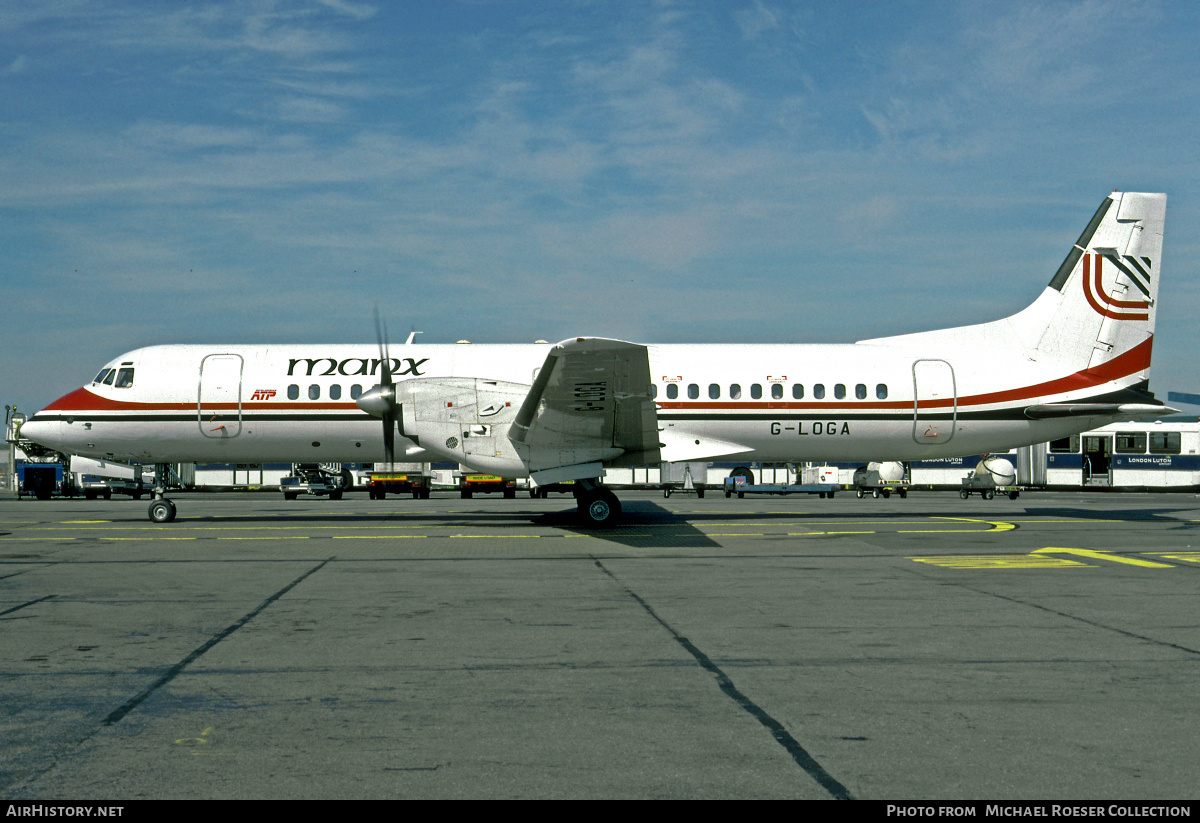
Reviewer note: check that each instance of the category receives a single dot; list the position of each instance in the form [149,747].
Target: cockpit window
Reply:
[124,379]
[108,381]
[100,377]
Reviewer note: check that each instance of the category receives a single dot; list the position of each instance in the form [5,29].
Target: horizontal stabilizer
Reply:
[1128,410]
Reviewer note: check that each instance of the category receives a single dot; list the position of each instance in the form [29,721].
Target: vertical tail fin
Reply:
[1100,305]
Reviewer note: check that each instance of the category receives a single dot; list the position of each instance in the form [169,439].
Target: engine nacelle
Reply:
[1001,470]
[464,419]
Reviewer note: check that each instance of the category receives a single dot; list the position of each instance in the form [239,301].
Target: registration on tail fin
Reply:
[1099,308]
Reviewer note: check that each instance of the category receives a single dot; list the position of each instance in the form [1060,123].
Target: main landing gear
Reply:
[162,510]
[598,507]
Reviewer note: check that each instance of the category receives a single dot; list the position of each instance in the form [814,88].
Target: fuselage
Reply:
[779,403]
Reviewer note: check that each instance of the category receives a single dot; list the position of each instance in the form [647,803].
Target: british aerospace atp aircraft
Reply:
[1078,357]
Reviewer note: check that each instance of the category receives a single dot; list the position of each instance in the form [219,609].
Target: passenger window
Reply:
[653,391]
[881,391]
[735,391]
[819,391]
[714,391]
[355,391]
[839,391]
[314,392]
[335,391]
[776,391]
[672,391]
[797,391]
[693,391]
[293,392]
[755,391]
[860,391]
[1164,443]
[124,379]
[1131,442]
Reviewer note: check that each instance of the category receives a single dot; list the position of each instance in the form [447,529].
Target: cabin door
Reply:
[935,405]
[219,404]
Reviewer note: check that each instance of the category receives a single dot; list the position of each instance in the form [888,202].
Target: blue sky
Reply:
[505,171]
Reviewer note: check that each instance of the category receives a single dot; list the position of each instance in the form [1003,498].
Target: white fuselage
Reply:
[296,403]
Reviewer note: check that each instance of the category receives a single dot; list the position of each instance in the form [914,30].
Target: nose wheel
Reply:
[162,510]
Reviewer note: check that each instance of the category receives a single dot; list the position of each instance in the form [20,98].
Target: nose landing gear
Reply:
[162,510]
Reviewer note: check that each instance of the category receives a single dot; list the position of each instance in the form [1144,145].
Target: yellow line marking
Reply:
[1187,557]
[819,534]
[142,538]
[494,536]
[291,537]
[31,539]
[1099,554]
[997,526]
[361,537]
[1001,561]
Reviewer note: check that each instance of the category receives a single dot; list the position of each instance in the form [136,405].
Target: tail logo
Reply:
[1136,269]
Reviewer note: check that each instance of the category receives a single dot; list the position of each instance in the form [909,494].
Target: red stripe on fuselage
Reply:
[82,399]
[1123,365]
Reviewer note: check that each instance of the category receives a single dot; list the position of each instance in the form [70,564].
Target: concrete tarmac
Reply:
[928,648]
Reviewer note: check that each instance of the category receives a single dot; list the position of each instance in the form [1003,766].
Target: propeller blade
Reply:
[385,360]
[391,409]
[389,438]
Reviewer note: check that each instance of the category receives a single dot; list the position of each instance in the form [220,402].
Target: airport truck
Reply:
[380,484]
[314,480]
[40,480]
[94,485]
[470,484]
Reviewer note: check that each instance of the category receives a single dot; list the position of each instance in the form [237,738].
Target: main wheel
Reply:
[600,508]
[162,511]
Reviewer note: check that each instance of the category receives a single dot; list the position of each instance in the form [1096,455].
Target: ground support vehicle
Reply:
[40,480]
[470,484]
[738,485]
[379,484]
[93,486]
[312,480]
[985,485]
[684,478]
[868,480]
[562,487]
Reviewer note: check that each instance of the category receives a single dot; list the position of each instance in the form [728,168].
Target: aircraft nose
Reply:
[43,432]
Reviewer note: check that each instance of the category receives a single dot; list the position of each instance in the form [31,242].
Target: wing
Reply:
[589,406]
